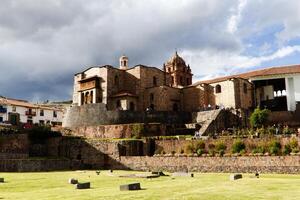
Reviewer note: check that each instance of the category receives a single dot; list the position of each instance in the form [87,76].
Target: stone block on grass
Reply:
[1,180]
[131,186]
[73,181]
[235,177]
[86,185]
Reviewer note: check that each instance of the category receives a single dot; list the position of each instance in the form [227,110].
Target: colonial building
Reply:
[138,87]
[275,88]
[15,112]
[170,89]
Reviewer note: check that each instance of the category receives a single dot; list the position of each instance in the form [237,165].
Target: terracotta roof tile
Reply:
[292,69]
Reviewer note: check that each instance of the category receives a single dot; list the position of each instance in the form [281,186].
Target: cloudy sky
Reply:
[44,42]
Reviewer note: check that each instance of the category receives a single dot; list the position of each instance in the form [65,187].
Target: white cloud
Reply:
[235,18]
[213,64]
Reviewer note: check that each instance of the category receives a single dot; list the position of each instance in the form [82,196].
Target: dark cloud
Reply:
[44,42]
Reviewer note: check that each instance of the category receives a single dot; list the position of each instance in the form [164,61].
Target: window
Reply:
[118,104]
[181,80]
[116,80]
[172,81]
[187,81]
[54,113]
[91,97]
[154,81]
[42,122]
[151,97]
[245,88]
[218,88]
[41,112]
[131,106]
[1,119]
[125,63]
[169,69]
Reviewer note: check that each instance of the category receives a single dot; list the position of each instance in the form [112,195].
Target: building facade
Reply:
[141,87]
[15,112]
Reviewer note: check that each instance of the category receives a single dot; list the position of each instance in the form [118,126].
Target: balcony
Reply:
[3,110]
[30,113]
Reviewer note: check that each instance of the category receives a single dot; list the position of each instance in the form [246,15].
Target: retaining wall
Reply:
[246,164]
[34,165]
[96,114]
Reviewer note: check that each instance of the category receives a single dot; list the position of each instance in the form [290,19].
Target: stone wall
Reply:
[34,165]
[14,146]
[285,117]
[122,131]
[261,164]
[175,145]
[164,98]
[96,114]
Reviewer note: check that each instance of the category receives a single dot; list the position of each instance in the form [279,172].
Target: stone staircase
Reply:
[211,122]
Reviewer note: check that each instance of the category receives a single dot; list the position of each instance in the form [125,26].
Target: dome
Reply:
[176,59]
[123,57]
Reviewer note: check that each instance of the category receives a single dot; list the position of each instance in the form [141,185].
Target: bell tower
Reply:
[180,72]
[123,62]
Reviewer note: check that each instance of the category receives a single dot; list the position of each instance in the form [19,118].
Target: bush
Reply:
[200,152]
[259,149]
[200,145]
[238,146]
[287,131]
[220,148]
[211,149]
[287,149]
[189,149]
[259,117]
[274,147]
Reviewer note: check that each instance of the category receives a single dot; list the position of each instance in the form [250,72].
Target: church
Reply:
[171,88]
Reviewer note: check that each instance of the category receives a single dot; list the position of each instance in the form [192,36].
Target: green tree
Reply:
[259,117]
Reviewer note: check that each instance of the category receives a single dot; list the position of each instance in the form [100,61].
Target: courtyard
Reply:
[54,185]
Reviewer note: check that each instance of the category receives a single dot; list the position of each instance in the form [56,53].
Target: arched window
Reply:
[154,81]
[91,97]
[118,104]
[245,88]
[218,88]
[181,80]
[82,98]
[187,81]
[86,96]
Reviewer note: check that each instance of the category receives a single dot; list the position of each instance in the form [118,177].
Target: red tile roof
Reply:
[292,69]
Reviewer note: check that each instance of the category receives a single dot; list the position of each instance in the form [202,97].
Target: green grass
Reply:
[54,185]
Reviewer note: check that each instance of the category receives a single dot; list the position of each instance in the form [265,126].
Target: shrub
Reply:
[294,145]
[287,149]
[220,147]
[287,131]
[259,149]
[211,149]
[274,147]
[200,152]
[200,145]
[189,148]
[259,117]
[238,146]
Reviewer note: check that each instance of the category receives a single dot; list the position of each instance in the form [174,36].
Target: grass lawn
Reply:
[54,185]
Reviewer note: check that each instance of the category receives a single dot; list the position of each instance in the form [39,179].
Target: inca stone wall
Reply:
[96,114]
[261,164]
[14,146]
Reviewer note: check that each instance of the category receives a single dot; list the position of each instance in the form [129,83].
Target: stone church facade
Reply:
[143,87]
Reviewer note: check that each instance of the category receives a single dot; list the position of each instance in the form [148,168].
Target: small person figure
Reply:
[197,131]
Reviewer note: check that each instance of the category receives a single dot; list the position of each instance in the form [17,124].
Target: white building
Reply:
[13,111]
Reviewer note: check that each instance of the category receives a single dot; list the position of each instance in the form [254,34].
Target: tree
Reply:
[259,117]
